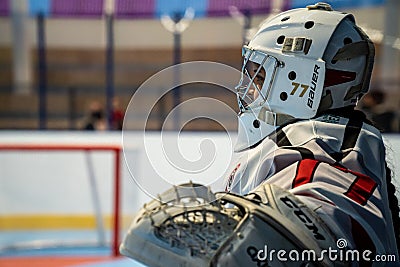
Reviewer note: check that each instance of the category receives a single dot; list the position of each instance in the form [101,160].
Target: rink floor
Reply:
[57,261]
[57,249]
[76,257]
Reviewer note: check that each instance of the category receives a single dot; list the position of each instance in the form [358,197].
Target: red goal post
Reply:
[116,149]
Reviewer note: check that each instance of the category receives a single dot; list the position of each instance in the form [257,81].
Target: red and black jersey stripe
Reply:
[359,191]
[305,172]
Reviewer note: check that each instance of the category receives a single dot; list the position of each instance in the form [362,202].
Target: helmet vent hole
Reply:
[292,75]
[256,124]
[283,96]
[280,39]
[309,24]
[285,18]
[347,41]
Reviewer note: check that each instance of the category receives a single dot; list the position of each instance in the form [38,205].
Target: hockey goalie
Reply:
[313,187]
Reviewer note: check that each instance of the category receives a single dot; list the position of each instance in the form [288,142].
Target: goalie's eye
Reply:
[260,77]
[256,74]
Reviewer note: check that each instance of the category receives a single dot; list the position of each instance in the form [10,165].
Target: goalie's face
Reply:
[258,73]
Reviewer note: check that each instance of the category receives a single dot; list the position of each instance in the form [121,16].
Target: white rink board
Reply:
[58,182]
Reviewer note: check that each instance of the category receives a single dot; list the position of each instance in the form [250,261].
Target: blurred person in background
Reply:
[374,106]
[95,119]
[117,116]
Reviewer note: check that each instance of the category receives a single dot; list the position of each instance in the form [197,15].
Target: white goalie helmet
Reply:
[300,63]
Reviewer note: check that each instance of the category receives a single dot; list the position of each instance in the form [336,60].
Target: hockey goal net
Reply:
[60,195]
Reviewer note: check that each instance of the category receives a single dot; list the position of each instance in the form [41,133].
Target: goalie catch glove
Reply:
[189,225]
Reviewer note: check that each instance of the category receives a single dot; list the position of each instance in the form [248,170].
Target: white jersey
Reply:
[336,166]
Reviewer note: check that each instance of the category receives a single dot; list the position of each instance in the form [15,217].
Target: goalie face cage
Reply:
[190,226]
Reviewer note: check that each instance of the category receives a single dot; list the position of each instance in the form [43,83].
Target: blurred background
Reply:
[68,69]
[75,64]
